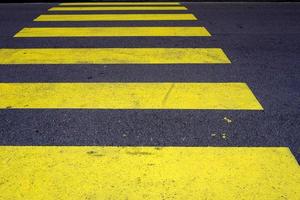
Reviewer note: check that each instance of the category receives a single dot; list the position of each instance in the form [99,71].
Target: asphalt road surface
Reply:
[234,83]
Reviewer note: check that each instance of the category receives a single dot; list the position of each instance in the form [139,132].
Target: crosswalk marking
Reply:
[119,3]
[89,172]
[116,17]
[233,96]
[111,31]
[148,173]
[113,56]
[117,8]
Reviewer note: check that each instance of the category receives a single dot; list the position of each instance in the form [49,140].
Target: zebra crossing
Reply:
[134,172]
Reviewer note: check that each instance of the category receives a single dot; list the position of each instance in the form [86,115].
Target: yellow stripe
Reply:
[119,3]
[221,173]
[116,17]
[233,96]
[117,8]
[112,31]
[113,56]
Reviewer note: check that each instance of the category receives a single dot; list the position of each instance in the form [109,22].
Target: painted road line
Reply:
[221,96]
[113,56]
[84,172]
[94,8]
[117,17]
[119,3]
[112,31]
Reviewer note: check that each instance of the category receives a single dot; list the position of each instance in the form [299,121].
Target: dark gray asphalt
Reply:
[262,41]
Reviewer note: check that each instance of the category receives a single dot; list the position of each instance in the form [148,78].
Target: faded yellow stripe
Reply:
[111,31]
[118,3]
[233,96]
[117,8]
[221,173]
[113,56]
[116,17]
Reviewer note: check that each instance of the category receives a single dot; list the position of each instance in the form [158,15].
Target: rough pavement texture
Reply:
[262,41]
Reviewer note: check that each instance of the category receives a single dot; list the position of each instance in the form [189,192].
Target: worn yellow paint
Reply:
[118,3]
[221,173]
[233,96]
[116,17]
[85,8]
[111,31]
[112,56]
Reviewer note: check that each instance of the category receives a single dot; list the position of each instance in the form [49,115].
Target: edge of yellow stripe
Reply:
[116,17]
[136,8]
[118,3]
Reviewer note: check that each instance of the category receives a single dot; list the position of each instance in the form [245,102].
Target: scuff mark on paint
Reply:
[168,94]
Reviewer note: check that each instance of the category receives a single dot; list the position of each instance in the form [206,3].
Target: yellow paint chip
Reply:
[113,56]
[148,173]
[112,31]
[232,96]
